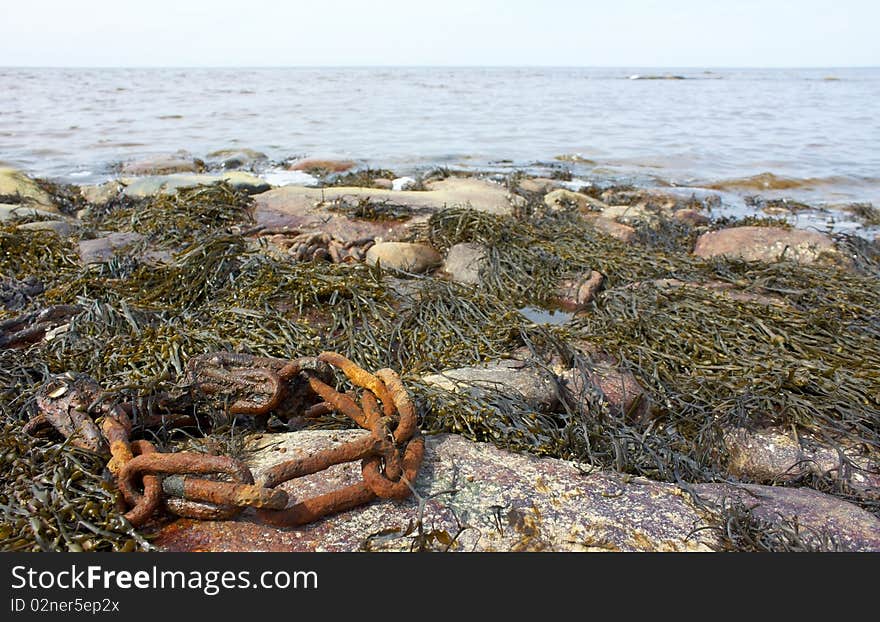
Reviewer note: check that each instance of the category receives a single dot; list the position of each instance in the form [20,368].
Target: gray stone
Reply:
[416,258]
[61,228]
[140,187]
[103,249]
[534,383]
[17,211]
[464,262]
[237,158]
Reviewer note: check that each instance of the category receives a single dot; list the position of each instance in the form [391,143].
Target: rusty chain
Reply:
[210,487]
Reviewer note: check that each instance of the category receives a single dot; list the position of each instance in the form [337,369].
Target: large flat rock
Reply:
[768,244]
[492,500]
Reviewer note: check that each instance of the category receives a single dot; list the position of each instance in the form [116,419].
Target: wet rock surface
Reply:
[464,262]
[416,258]
[164,165]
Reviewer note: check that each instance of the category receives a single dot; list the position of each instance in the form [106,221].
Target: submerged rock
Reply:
[477,498]
[22,189]
[769,244]
[463,263]
[823,522]
[416,258]
[322,166]
[236,158]
[164,165]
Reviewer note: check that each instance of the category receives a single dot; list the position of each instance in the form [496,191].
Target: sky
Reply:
[621,33]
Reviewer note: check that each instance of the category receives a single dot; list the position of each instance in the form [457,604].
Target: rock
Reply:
[24,190]
[60,228]
[502,502]
[654,200]
[819,517]
[416,258]
[533,382]
[538,185]
[300,208]
[403,183]
[622,232]
[575,294]
[164,165]
[322,166]
[769,244]
[236,158]
[630,214]
[464,261]
[562,198]
[690,217]
[140,187]
[101,193]
[773,455]
[17,211]
[602,380]
[382,183]
[100,250]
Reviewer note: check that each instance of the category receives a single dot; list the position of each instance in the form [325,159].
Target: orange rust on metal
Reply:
[407,425]
[361,378]
[116,427]
[380,428]
[180,463]
[386,488]
[299,467]
[224,493]
[339,401]
[145,505]
[310,510]
[318,410]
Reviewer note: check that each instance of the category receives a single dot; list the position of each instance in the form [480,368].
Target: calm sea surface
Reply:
[816,131]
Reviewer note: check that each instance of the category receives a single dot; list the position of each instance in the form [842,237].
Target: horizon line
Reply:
[430,66]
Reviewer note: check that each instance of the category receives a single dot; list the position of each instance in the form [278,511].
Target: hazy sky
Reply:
[640,33]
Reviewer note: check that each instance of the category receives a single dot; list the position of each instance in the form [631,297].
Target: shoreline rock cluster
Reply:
[473,496]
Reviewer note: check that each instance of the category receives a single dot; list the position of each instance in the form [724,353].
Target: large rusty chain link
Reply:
[210,487]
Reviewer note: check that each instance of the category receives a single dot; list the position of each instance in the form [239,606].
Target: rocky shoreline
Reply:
[705,385]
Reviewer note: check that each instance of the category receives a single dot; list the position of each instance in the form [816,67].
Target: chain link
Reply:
[209,487]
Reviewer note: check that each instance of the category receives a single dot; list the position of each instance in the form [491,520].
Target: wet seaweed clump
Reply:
[367,208]
[361,178]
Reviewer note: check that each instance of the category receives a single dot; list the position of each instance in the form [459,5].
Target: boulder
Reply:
[101,193]
[463,263]
[562,198]
[538,185]
[24,190]
[690,217]
[774,455]
[476,498]
[416,258]
[630,214]
[534,383]
[100,250]
[622,232]
[598,381]
[823,521]
[18,211]
[140,187]
[61,228]
[768,244]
